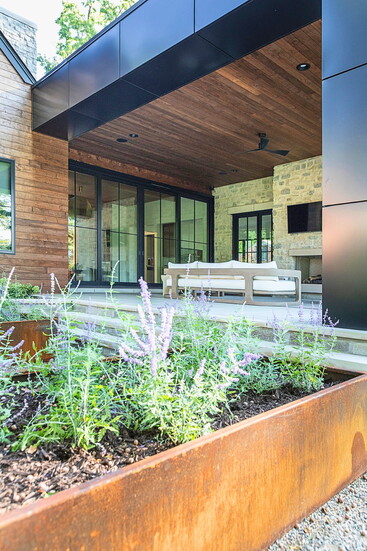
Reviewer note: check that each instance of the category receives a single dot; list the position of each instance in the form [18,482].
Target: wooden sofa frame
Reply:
[247,274]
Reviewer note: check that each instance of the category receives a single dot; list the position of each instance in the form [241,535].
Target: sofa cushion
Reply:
[259,287]
[212,265]
[187,266]
[263,265]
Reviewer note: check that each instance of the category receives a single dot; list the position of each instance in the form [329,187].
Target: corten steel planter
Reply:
[235,490]
[35,333]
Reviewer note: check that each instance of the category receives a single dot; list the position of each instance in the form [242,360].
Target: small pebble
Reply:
[363,533]
[136,443]
[340,499]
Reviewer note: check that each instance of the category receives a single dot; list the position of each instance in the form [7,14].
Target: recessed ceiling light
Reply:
[234,170]
[134,135]
[303,67]
[121,140]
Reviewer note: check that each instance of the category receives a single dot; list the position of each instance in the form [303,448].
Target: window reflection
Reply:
[6,244]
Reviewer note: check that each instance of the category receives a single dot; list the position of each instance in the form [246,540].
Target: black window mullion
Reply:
[99,229]
[140,231]
[259,239]
[178,229]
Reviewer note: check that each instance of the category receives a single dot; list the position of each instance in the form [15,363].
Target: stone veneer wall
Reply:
[21,34]
[234,199]
[292,183]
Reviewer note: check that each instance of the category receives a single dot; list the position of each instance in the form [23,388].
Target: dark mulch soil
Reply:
[38,473]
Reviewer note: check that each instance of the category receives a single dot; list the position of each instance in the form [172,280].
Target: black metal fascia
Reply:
[15,60]
[155,47]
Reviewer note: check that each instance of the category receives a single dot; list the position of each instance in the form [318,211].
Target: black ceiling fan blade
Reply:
[282,152]
[263,143]
[253,150]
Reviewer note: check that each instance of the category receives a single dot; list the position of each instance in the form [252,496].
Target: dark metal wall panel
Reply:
[345,137]
[153,28]
[345,35]
[256,24]
[123,97]
[187,61]
[344,264]
[207,11]
[345,162]
[51,97]
[69,124]
[95,67]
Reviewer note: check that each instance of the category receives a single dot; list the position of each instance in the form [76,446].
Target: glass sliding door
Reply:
[119,232]
[194,230]
[253,237]
[121,228]
[83,226]
[160,240]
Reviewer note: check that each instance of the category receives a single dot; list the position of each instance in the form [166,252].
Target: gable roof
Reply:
[15,60]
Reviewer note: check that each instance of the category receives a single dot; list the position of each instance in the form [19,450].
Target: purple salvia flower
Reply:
[200,371]
[7,333]
[301,313]
[153,366]
[143,345]
[52,283]
[17,346]
[146,298]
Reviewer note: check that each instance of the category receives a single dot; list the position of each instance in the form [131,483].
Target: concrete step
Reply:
[342,360]
[109,343]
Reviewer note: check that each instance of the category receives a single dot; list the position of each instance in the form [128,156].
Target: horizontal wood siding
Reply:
[40,186]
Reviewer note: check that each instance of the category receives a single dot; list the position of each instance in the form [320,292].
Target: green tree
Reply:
[78,22]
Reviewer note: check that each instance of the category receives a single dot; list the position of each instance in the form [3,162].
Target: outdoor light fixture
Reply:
[303,67]
[134,135]
[121,140]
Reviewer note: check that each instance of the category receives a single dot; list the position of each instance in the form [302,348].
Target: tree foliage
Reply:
[78,22]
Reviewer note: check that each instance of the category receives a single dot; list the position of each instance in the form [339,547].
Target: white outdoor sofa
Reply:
[234,277]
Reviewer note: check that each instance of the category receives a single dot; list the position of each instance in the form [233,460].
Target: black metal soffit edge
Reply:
[15,60]
[156,47]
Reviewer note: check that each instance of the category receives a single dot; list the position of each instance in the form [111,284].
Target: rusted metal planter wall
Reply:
[33,332]
[235,490]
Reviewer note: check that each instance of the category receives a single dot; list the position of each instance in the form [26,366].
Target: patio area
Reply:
[100,307]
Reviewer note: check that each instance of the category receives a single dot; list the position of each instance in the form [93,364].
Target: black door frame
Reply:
[141,185]
[235,221]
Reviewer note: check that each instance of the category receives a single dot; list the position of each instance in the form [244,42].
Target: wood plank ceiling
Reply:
[202,131]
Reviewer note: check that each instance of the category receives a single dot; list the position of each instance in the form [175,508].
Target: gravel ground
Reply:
[340,525]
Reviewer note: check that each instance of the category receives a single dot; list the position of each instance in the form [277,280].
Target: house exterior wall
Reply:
[294,183]
[291,183]
[21,34]
[41,185]
[235,199]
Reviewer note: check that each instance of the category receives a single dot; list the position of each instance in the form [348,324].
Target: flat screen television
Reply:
[305,217]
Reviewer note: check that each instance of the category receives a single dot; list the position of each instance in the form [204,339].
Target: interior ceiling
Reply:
[204,129]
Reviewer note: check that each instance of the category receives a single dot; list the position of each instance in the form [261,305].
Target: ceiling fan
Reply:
[262,146]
